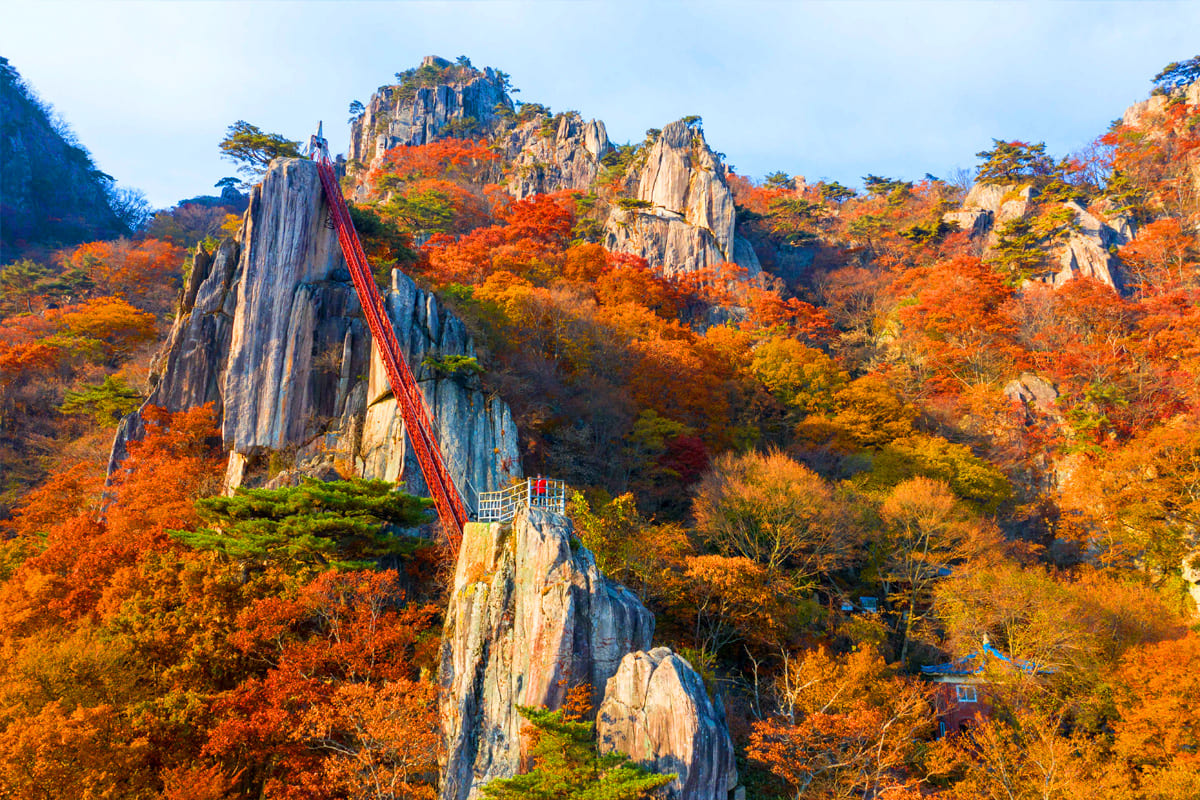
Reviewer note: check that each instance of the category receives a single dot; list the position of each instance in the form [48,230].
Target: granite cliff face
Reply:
[431,99]
[657,711]
[530,617]
[554,158]
[688,221]
[270,331]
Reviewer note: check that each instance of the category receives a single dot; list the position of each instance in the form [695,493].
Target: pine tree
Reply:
[570,768]
[106,403]
[335,523]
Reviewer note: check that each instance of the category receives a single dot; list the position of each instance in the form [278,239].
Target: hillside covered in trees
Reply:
[827,437]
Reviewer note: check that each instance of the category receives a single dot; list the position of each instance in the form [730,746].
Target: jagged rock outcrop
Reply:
[271,332]
[428,100]
[1137,114]
[550,157]
[1086,250]
[657,711]
[530,617]
[1145,114]
[189,368]
[51,193]
[689,223]
[988,206]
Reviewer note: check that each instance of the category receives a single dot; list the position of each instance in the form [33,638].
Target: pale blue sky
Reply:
[829,90]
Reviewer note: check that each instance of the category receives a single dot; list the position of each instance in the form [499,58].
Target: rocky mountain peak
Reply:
[437,98]
[555,153]
[682,218]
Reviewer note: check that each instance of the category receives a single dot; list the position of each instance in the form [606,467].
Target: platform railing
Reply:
[503,505]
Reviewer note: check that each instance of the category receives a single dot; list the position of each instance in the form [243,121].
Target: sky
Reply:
[827,90]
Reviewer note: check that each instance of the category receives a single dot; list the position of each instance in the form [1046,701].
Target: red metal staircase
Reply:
[415,413]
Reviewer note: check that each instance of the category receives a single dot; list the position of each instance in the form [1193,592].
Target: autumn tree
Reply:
[844,726]
[775,512]
[735,599]
[1024,753]
[1163,256]
[341,709]
[800,376]
[1158,730]
[927,534]
[955,318]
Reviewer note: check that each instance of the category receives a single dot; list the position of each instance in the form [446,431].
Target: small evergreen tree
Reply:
[334,523]
[1178,74]
[834,192]
[252,148]
[570,768]
[896,191]
[106,403]
[1013,162]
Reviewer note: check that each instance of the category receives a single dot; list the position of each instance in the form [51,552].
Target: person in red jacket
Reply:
[539,491]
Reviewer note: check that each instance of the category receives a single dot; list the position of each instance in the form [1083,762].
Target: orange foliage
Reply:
[1163,256]
[1157,688]
[125,268]
[957,320]
[340,709]
[459,160]
[151,494]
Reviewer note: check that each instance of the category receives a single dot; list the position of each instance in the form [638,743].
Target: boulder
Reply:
[529,618]
[271,332]
[657,711]
[668,242]
[1037,396]
[975,221]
